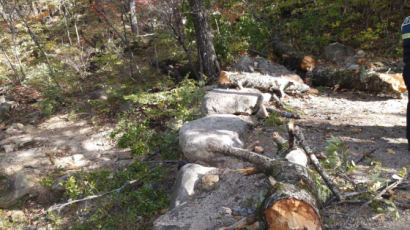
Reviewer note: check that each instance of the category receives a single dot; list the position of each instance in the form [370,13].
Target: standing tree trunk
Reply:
[134,19]
[206,52]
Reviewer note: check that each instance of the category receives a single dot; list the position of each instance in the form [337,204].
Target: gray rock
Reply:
[15,128]
[231,101]
[297,156]
[4,109]
[236,194]
[195,136]
[184,186]
[338,53]
[13,188]
[2,99]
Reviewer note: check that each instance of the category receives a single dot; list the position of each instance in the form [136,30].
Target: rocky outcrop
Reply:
[231,101]
[225,129]
[13,188]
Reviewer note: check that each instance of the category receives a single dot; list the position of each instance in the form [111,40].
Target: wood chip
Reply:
[391,151]
[259,149]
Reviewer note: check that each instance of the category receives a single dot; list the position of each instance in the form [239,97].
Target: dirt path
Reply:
[366,124]
[363,122]
[62,143]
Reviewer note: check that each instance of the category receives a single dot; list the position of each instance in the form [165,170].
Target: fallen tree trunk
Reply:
[292,202]
[382,84]
[388,85]
[265,83]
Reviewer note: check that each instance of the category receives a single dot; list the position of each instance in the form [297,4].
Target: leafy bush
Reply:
[141,132]
[130,207]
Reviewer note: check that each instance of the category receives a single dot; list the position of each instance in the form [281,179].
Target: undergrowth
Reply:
[150,129]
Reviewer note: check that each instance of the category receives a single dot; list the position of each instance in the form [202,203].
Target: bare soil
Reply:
[368,125]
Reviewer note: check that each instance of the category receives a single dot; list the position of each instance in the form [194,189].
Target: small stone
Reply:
[19,126]
[259,149]
[209,182]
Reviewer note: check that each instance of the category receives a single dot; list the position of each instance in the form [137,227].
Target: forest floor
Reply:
[367,124]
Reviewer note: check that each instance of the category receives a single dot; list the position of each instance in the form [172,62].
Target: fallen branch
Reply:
[364,155]
[260,161]
[313,159]
[242,223]
[61,206]
[289,115]
[381,193]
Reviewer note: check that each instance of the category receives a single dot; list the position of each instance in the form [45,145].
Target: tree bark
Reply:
[134,19]
[206,51]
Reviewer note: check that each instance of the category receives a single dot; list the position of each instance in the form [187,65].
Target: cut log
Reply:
[292,202]
[266,83]
[290,207]
[382,84]
[387,85]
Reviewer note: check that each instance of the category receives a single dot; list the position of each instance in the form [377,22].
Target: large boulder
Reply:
[338,53]
[231,101]
[225,129]
[236,195]
[184,187]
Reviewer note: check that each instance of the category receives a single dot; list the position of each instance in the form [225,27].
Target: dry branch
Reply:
[241,224]
[289,115]
[380,194]
[313,159]
[61,206]
[260,161]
